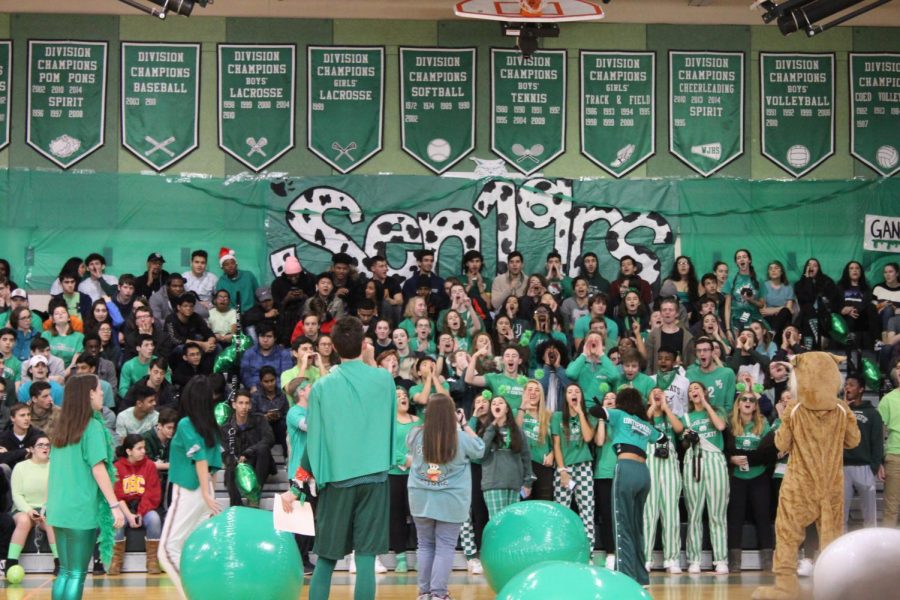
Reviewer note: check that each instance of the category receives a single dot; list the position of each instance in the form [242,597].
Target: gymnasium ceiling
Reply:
[618,11]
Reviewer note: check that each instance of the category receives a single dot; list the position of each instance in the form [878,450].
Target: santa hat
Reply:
[226,254]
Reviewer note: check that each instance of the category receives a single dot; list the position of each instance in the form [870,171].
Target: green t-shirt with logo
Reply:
[574,449]
[719,384]
[589,376]
[531,429]
[742,313]
[749,441]
[65,346]
[513,396]
[187,448]
[12,369]
[628,429]
[700,422]
[641,382]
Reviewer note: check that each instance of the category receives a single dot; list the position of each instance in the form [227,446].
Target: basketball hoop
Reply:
[532,8]
[530,11]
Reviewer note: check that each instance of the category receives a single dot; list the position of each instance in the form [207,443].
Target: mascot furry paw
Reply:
[815,431]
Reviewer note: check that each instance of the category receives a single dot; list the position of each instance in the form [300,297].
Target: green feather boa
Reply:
[107,529]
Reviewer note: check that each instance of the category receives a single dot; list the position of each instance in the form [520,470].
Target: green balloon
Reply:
[521,380]
[246,480]
[487,395]
[559,580]
[222,413]
[241,342]
[538,373]
[604,389]
[503,389]
[238,555]
[871,374]
[225,360]
[527,533]
[839,328]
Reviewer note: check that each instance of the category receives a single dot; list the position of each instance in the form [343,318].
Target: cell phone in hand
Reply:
[461,417]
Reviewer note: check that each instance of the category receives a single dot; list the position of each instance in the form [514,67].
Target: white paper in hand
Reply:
[300,520]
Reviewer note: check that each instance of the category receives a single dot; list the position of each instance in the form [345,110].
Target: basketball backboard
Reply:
[530,11]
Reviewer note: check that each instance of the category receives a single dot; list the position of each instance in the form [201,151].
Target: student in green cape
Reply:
[630,434]
[80,497]
[195,456]
[349,449]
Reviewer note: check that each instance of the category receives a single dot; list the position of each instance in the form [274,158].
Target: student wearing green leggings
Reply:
[80,497]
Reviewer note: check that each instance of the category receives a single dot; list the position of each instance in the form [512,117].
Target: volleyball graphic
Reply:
[438,150]
[886,157]
[798,156]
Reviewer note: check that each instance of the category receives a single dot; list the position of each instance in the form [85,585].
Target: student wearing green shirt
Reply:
[630,433]
[509,384]
[573,430]
[430,382]
[80,497]
[750,446]
[596,310]
[455,326]
[470,534]
[29,494]
[136,368]
[742,298]
[416,308]
[665,486]
[889,409]
[632,376]
[195,455]
[604,470]
[305,369]
[65,342]
[533,419]
[592,368]
[506,467]
[352,414]
[718,381]
[702,429]
[12,366]
[423,341]
[398,476]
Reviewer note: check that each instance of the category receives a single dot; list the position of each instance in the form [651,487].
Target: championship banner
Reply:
[346,104]
[256,102]
[706,108]
[66,99]
[160,101]
[618,116]
[5,80]
[796,109]
[437,105]
[528,107]
[875,110]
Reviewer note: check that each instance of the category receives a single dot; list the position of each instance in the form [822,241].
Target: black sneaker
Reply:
[308,568]
[10,562]
[98,568]
[55,567]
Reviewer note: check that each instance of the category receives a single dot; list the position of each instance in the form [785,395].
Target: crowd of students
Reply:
[569,381]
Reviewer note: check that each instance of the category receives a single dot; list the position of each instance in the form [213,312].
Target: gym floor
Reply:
[398,587]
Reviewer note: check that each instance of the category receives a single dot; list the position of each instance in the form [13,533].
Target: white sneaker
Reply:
[648,566]
[805,568]
[379,567]
[611,562]
[351,562]
[423,597]
[474,566]
[722,567]
[672,567]
[694,568]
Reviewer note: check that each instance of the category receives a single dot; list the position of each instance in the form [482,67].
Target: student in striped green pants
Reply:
[665,486]
[705,478]
[572,430]
[506,467]
[630,433]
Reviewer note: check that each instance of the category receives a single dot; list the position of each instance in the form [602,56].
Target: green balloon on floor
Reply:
[526,533]
[559,580]
[238,555]
[15,575]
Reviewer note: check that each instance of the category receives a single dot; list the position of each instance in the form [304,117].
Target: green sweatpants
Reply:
[75,546]
[711,491]
[665,490]
[631,484]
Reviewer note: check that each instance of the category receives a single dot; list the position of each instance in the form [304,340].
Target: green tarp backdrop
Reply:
[51,216]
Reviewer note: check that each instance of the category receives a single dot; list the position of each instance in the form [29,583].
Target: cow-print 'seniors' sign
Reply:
[520,207]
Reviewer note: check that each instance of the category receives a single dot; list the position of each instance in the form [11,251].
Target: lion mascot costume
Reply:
[815,430]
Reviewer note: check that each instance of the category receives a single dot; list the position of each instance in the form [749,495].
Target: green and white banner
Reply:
[618,115]
[706,108]
[528,107]
[256,102]
[5,96]
[437,105]
[160,101]
[875,110]
[796,109]
[66,99]
[346,104]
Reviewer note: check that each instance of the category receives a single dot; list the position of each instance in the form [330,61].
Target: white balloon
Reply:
[862,565]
